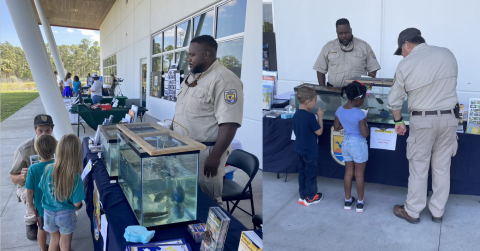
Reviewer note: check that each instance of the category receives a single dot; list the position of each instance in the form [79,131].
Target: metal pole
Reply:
[25,22]
[51,40]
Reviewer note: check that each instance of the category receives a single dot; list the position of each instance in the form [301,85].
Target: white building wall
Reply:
[301,32]
[127,31]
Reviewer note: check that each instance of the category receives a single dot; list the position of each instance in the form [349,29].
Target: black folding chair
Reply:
[257,221]
[232,191]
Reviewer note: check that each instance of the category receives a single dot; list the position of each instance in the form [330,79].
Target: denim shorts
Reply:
[97,99]
[64,221]
[354,149]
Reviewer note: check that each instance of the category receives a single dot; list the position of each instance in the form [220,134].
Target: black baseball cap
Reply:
[406,35]
[43,119]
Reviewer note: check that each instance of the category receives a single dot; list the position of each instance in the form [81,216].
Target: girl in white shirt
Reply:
[68,85]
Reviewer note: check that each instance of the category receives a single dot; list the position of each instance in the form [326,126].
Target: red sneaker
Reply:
[317,198]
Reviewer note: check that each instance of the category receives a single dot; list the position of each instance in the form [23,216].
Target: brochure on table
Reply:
[269,79]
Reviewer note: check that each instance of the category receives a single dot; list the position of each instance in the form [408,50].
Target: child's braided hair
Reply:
[354,90]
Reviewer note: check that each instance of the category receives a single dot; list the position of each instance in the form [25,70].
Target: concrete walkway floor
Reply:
[327,226]
[18,128]
[13,131]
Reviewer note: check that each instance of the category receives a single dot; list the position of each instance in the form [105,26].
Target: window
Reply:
[224,21]
[183,34]
[167,61]
[169,40]
[267,17]
[157,43]
[109,67]
[229,54]
[157,64]
[231,18]
[181,59]
[203,24]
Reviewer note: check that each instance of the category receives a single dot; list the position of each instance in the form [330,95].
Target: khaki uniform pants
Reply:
[432,138]
[212,186]
[29,216]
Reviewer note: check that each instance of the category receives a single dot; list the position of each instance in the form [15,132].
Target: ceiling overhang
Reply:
[81,14]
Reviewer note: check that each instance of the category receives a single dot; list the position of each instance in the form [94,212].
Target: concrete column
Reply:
[250,134]
[25,22]
[51,40]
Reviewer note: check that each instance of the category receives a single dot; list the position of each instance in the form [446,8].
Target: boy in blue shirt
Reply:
[45,147]
[307,129]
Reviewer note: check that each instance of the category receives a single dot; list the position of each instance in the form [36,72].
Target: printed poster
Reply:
[383,139]
[473,122]
[96,211]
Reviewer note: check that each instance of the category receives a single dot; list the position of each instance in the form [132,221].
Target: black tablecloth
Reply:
[383,166]
[119,213]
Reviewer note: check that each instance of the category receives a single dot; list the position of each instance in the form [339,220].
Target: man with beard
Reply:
[345,57]
[210,106]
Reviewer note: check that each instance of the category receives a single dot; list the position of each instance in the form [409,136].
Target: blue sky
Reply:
[66,36]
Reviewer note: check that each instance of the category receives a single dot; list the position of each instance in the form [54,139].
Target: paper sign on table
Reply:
[383,139]
[103,230]
[87,169]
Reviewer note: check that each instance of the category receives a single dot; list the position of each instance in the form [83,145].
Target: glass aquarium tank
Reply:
[108,137]
[376,101]
[158,173]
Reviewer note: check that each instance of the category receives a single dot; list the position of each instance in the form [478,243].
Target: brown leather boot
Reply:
[399,211]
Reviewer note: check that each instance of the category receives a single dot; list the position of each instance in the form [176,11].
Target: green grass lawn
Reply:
[11,102]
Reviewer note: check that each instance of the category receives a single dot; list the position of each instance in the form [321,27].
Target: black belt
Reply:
[209,143]
[432,112]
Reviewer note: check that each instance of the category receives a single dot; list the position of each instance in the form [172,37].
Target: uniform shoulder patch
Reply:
[394,77]
[230,96]
[373,55]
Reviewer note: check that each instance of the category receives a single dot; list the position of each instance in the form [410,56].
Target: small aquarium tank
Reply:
[108,137]
[158,173]
[376,101]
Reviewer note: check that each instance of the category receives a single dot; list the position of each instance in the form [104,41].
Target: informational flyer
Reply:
[87,169]
[473,122]
[385,139]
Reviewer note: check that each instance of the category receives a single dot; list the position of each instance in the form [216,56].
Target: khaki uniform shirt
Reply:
[217,99]
[342,65]
[429,76]
[21,157]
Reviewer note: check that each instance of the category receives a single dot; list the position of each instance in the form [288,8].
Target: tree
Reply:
[230,61]
[169,57]
[78,59]
[267,26]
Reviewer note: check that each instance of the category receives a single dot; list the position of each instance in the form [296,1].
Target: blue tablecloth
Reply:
[120,215]
[383,166]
